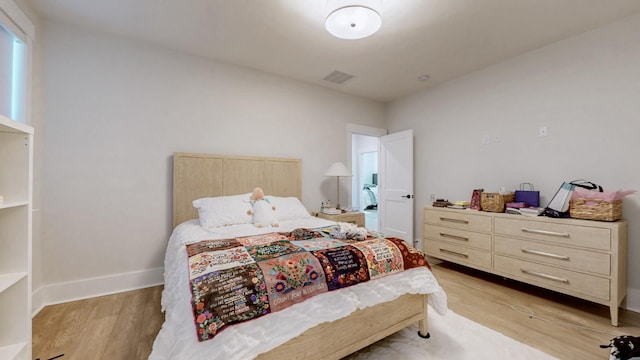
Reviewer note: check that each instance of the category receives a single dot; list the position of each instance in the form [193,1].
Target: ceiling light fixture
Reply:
[353,22]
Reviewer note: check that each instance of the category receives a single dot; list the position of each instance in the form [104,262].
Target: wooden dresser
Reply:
[582,258]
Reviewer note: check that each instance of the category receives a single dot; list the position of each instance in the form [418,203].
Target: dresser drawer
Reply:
[583,236]
[552,277]
[459,219]
[458,254]
[457,236]
[573,259]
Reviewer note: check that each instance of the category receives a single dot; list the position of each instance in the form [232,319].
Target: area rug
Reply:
[453,337]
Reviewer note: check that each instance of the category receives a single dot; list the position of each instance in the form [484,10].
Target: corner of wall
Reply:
[632,302]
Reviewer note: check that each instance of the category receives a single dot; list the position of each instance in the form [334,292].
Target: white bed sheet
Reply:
[177,338]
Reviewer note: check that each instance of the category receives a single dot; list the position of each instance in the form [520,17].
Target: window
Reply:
[16,32]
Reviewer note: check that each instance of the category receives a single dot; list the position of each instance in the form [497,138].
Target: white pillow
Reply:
[223,210]
[288,208]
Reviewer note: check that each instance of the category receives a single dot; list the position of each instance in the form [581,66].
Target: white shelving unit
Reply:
[16,179]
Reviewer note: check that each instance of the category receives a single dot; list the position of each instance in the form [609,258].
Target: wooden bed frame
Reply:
[200,175]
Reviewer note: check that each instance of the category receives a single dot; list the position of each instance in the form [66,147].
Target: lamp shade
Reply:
[353,22]
[337,169]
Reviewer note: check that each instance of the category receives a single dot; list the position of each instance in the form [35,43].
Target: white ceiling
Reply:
[441,38]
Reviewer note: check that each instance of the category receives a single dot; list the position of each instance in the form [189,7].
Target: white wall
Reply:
[115,110]
[585,89]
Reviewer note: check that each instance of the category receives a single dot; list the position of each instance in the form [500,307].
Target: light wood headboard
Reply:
[200,175]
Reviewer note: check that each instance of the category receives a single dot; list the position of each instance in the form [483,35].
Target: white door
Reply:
[395,185]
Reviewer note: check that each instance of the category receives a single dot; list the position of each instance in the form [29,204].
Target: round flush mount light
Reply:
[353,22]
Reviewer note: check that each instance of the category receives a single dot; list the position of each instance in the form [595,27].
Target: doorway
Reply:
[395,210]
[365,182]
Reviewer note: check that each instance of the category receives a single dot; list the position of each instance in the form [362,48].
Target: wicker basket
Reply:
[595,209]
[495,202]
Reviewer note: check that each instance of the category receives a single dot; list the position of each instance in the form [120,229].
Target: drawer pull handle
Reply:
[454,253]
[542,253]
[459,221]
[545,232]
[545,276]
[454,237]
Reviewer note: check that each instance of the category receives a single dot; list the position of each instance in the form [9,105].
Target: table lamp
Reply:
[338,169]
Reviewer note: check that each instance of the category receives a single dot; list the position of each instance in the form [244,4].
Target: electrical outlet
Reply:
[497,138]
[486,140]
[542,131]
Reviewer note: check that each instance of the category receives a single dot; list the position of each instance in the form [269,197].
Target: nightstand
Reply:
[348,217]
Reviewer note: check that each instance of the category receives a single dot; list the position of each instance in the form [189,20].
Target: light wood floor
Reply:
[123,326]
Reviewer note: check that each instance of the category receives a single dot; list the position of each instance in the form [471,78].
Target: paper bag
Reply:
[559,204]
[531,197]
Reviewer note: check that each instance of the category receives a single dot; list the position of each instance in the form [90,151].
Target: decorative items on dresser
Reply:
[583,258]
[16,157]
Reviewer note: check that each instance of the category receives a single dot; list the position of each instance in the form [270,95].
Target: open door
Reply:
[395,184]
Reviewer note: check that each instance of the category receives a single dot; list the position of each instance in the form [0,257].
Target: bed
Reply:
[330,325]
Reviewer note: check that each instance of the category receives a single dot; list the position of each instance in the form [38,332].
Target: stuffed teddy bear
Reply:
[263,212]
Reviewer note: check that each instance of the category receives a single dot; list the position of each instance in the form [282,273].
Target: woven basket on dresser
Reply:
[595,209]
[495,202]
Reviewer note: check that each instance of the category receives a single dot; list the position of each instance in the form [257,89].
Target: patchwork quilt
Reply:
[243,278]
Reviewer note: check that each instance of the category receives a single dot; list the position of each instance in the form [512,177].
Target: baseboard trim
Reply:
[88,288]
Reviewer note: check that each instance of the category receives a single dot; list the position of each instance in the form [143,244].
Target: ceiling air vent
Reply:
[337,77]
